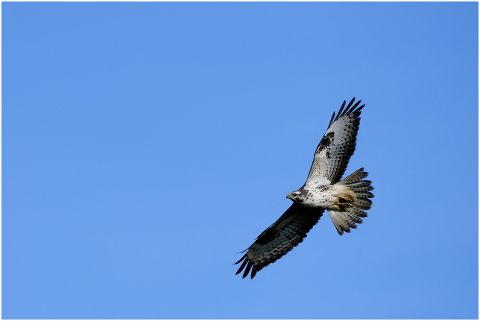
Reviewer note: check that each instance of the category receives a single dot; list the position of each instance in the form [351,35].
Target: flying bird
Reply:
[345,200]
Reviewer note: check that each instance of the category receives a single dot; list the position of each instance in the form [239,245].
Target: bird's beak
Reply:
[290,196]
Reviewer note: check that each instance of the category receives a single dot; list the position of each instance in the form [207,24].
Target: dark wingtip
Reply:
[349,104]
[243,264]
[331,120]
[351,108]
[359,108]
[341,109]
[247,269]
[241,258]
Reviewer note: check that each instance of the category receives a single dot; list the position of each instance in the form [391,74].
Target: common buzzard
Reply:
[345,200]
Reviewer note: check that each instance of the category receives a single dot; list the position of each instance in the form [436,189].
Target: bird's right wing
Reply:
[279,238]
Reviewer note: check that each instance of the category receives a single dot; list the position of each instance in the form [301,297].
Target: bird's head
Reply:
[296,196]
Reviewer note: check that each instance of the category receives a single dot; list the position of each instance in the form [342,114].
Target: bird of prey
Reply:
[345,200]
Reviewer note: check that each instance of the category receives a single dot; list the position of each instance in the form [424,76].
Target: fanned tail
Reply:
[351,214]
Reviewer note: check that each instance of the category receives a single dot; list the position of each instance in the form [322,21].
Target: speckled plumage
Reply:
[345,200]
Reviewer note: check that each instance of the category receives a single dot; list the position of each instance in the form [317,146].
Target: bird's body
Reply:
[345,200]
[323,196]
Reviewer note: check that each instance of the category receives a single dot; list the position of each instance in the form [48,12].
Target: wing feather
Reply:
[279,238]
[337,145]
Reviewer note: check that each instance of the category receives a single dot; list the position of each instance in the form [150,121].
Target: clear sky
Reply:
[146,144]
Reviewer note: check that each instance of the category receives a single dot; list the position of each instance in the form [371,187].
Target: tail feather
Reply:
[364,204]
[363,194]
[355,177]
[353,217]
[350,215]
[357,212]
[361,186]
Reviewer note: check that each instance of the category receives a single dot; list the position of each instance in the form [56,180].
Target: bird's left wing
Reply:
[279,238]
[337,146]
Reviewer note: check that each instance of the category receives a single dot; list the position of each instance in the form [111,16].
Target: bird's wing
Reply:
[279,238]
[337,146]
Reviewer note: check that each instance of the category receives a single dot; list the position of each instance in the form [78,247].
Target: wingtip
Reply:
[331,119]
[350,103]
[243,257]
[341,109]
[350,108]
[247,269]
[353,108]
[245,261]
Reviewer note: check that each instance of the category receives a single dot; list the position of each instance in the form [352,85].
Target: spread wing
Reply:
[337,146]
[279,238]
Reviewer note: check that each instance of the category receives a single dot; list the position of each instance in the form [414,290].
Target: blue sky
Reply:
[146,144]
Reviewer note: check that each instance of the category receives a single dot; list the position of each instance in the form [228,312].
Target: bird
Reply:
[345,200]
